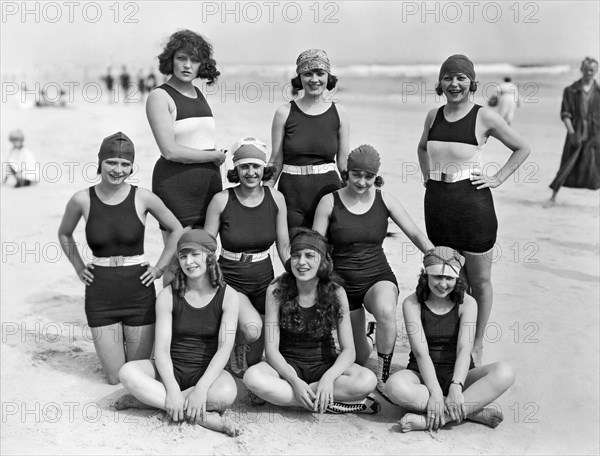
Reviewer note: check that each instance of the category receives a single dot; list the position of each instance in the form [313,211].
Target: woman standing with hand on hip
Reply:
[187,174]
[355,220]
[309,138]
[459,210]
[119,293]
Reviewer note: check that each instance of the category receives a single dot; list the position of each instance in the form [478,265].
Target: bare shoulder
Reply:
[277,196]
[411,302]
[282,112]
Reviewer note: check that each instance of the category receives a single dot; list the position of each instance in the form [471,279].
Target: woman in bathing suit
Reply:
[355,220]
[304,306]
[119,292]
[310,140]
[440,383]
[459,210]
[196,318]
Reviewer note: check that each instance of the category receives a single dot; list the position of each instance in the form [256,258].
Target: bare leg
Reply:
[381,301]
[552,201]
[109,342]
[139,341]
[484,384]
[479,274]
[362,344]
[142,380]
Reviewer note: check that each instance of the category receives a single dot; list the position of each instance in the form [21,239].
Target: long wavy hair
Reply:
[423,292]
[327,303]
[193,44]
[215,276]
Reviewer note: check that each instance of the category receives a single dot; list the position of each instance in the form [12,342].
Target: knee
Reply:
[253,378]
[385,315]
[504,375]
[224,394]
[251,331]
[362,354]
[125,375]
[398,389]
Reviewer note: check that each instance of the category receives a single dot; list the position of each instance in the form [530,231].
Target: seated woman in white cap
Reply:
[196,318]
[355,220]
[119,293]
[310,140]
[440,383]
[304,306]
[249,218]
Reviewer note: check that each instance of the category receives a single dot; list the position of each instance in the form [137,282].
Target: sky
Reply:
[81,34]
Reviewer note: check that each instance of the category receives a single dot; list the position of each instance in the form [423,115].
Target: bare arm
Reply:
[214,211]
[322,214]
[73,213]
[277,132]
[343,139]
[162,341]
[464,347]
[424,160]
[406,223]
[347,354]
[283,237]
[496,127]
[165,217]
[158,113]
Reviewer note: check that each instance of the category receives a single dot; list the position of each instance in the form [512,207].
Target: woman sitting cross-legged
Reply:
[196,318]
[303,307]
[440,383]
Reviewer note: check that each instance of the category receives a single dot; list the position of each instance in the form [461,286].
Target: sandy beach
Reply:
[544,321]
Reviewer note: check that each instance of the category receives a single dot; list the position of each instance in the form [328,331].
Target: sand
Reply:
[544,320]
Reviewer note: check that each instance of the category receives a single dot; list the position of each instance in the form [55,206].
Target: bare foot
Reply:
[477,354]
[550,203]
[488,416]
[412,422]
[128,401]
[216,422]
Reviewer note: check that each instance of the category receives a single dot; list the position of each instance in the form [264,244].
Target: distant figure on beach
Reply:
[119,292]
[355,220]
[580,112]
[20,168]
[459,209]
[304,306]
[196,318]
[150,81]
[440,383]
[109,81]
[125,81]
[506,100]
[310,137]
[249,218]
[141,84]
[187,174]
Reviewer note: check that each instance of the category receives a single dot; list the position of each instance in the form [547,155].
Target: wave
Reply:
[389,70]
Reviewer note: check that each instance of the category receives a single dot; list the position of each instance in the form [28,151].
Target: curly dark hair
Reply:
[192,44]
[378,179]
[327,304]
[234,177]
[331,82]
[456,296]
[180,279]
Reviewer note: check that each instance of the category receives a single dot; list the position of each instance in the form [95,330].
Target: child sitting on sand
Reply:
[440,383]
[20,163]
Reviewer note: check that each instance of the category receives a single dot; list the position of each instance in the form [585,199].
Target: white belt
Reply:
[462,174]
[309,169]
[245,257]
[118,260]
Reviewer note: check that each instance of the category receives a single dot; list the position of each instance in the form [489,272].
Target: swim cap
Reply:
[197,240]
[116,146]
[457,63]
[249,150]
[443,261]
[308,239]
[365,158]
[312,59]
